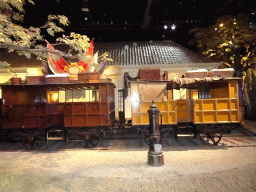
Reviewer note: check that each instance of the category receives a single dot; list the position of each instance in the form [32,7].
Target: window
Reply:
[179,93]
[204,92]
[120,100]
[82,95]
[52,97]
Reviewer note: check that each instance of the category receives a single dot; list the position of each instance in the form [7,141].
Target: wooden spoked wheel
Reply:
[94,140]
[203,138]
[215,137]
[210,138]
[89,141]
[30,143]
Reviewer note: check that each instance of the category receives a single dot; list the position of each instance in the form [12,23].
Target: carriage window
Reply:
[179,93]
[82,95]
[193,94]
[204,92]
[52,97]
[61,96]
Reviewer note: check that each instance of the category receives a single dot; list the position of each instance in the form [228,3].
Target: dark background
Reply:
[137,20]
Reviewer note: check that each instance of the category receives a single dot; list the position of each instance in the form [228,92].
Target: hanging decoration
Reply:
[57,64]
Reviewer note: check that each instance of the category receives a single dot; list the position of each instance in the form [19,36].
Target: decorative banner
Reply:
[57,64]
[73,69]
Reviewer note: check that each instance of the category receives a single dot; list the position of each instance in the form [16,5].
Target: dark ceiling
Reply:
[133,20]
[133,11]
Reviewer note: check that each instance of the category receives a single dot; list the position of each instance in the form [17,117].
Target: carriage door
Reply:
[121,106]
[183,105]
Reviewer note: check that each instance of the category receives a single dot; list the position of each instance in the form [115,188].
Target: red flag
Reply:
[90,50]
[56,63]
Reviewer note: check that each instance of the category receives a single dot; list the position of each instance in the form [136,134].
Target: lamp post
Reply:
[155,155]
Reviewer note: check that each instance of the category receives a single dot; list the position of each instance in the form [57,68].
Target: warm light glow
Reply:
[53,97]
[221,25]
[34,72]
[135,99]
[173,27]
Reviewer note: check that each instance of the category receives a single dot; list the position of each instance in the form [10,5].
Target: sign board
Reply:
[157,148]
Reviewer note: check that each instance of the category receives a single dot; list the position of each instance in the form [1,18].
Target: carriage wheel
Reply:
[29,143]
[90,142]
[210,138]
[83,143]
[204,138]
[215,137]
[94,140]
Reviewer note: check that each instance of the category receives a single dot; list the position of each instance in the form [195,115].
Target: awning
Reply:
[193,82]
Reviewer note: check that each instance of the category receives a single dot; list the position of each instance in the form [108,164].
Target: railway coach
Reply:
[204,103]
[57,109]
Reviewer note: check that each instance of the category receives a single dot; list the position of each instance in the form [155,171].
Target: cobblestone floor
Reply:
[120,165]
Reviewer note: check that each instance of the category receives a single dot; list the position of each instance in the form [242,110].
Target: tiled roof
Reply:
[149,53]
[127,53]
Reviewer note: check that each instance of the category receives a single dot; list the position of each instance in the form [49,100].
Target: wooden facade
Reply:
[64,105]
[214,102]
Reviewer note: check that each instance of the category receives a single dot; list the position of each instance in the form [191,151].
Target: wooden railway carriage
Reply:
[209,104]
[66,108]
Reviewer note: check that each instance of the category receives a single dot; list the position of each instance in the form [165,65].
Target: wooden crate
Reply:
[149,74]
[88,76]
[197,74]
[16,81]
[223,72]
[35,80]
[57,80]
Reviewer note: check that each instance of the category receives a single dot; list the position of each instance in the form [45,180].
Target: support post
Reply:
[155,155]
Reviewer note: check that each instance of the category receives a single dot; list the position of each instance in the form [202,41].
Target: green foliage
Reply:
[105,57]
[76,41]
[27,41]
[230,38]
[4,64]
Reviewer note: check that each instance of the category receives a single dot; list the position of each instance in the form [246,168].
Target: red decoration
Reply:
[57,64]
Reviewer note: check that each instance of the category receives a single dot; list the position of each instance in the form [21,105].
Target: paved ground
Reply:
[121,165]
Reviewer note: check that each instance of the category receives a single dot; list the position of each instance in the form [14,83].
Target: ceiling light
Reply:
[85,9]
[173,27]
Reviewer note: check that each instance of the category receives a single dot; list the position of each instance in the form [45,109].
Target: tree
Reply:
[232,41]
[28,41]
